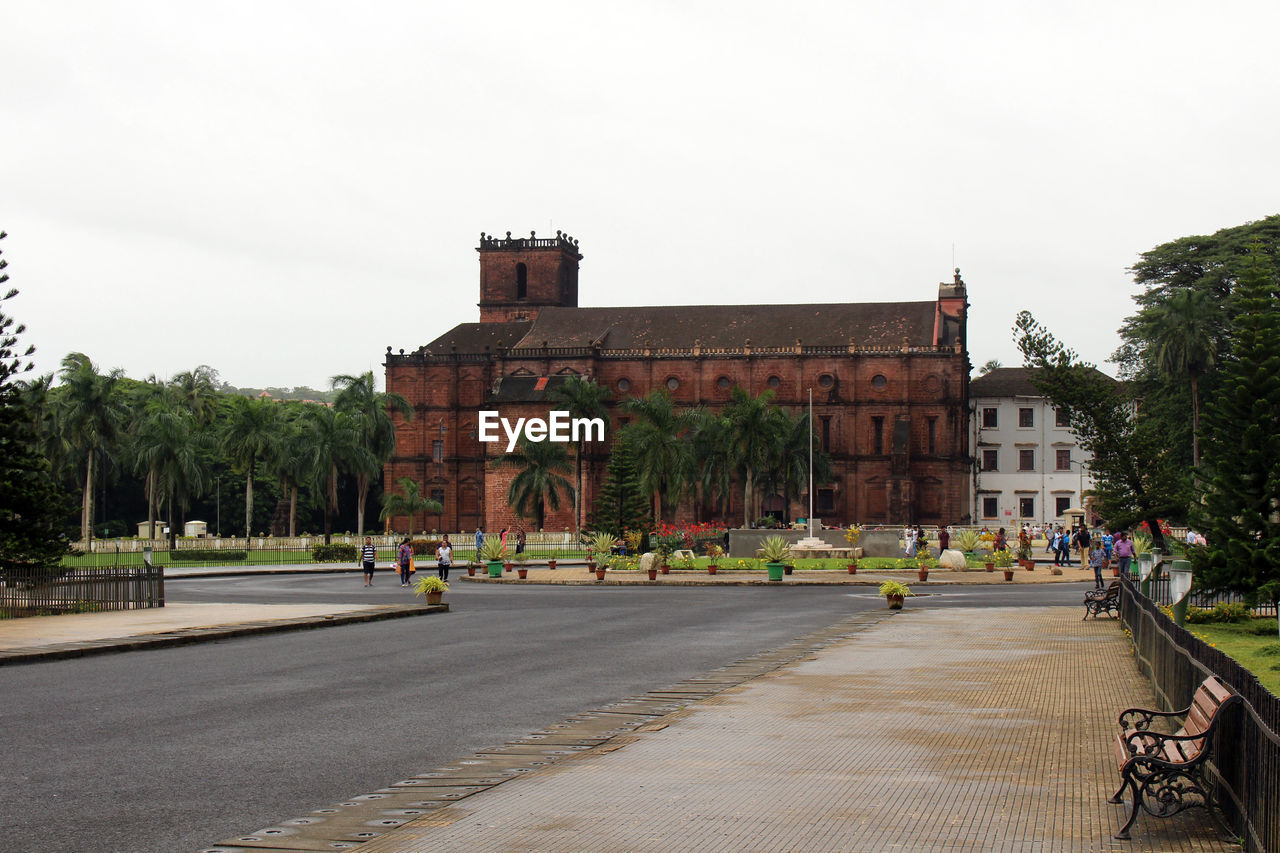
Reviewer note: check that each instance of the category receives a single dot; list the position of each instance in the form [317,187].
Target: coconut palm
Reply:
[713,450]
[172,450]
[409,502]
[91,415]
[789,466]
[754,428]
[1184,341]
[581,398]
[332,441]
[540,479]
[197,391]
[375,430]
[292,463]
[251,431]
[660,443]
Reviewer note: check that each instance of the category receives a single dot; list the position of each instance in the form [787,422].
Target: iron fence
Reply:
[38,592]
[1162,595]
[1248,768]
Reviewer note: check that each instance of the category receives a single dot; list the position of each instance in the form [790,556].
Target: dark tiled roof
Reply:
[1008,382]
[523,389]
[867,324]
[477,337]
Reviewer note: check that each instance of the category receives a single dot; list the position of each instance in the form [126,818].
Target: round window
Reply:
[624,384]
[826,380]
[673,384]
[774,382]
[723,383]
[878,382]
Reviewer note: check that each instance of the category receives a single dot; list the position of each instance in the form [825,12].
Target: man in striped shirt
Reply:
[367,555]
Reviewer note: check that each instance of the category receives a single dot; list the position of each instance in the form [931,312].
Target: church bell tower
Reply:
[519,275]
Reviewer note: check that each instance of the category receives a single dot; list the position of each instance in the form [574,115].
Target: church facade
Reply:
[889,384]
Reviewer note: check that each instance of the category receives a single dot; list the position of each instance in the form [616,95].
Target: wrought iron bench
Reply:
[1102,601]
[1165,773]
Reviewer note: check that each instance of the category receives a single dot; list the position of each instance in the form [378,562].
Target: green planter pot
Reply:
[495,568]
[775,571]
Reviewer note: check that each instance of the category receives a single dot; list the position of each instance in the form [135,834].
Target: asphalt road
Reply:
[171,750]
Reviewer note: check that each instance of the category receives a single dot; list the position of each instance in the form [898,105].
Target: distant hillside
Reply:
[301,392]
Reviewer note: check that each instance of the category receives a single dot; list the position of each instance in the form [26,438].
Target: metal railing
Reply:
[1247,762]
[39,592]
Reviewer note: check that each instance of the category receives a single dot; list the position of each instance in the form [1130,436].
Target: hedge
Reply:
[336,553]
[208,556]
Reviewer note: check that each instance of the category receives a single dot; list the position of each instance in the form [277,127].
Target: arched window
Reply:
[522,281]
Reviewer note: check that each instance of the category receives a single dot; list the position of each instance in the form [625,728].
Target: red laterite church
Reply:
[889,380]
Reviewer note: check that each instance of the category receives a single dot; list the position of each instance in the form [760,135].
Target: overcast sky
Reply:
[282,190]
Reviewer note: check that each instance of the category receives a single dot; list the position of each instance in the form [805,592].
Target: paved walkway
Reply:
[926,730]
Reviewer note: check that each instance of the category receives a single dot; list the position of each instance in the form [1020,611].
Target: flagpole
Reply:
[810,462]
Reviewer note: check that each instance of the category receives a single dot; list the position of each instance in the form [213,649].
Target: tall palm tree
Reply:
[91,416]
[376,431]
[409,502]
[1184,337]
[333,444]
[292,463]
[540,480]
[251,431]
[581,397]
[197,391]
[754,431]
[713,450]
[170,448]
[789,467]
[663,454]
[149,401]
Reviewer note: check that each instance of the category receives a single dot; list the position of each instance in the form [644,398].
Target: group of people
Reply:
[404,560]
[914,540]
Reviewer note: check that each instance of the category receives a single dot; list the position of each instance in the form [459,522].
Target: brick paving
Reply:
[931,730]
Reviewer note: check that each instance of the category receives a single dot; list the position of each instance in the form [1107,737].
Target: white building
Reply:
[1028,465]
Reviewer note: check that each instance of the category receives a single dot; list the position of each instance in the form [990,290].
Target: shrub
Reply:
[209,556]
[425,547]
[1221,612]
[965,540]
[336,553]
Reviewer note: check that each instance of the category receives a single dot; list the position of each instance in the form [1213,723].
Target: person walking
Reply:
[444,559]
[520,540]
[944,540]
[1082,543]
[1124,552]
[1097,560]
[404,557]
[479,541]
[367,556]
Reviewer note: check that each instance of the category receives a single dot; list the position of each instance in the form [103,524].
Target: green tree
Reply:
[989,365]
[91,416]
[540,480]
[174,449]
[662,450]
[251,431]
[755,429]
[197,391]
[581,398]
[292,463]
[789,466]
[1239,507]
[332,441]
[713,451]
[375,430]
[31,505]
[1136,476]
[621,504]
[409,502]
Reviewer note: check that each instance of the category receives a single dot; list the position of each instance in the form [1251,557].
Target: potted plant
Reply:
[493,552]
[1004,560]
[922,568]
[714,553]
[895,593]
[471,568]
[599,544]
[521,569]
[773,551]
[1024,554]
[431,587]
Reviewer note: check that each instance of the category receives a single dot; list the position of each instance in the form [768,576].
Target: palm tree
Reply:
[1184,337]
[197,391]
[989,365]
[376,431]
[660,441]
[754,431]
[291,463]
[410,502]
[333,443]
[713,451]
[581,398]
[789,467]
[540,480]
[250,434]
[91,415]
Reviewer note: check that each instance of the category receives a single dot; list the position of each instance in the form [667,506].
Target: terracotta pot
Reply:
[895,601]
[523,573]
[471,571]
[786,570]
[591,565]
[551,564]
[991,567]
[1008,574]
[924,574]
[599,574]
[434,597]
[711,570]
[853,568]
[653,574]
[666,570]
[508,566]
[1115,573]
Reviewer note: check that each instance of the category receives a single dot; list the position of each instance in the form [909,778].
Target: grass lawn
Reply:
[1253,643]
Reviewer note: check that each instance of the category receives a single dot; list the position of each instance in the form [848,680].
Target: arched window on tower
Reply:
[522,281]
